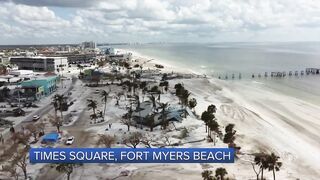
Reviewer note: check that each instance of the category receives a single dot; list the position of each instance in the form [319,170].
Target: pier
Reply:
[277,74]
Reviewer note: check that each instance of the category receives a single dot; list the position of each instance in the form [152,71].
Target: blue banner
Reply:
[134,155]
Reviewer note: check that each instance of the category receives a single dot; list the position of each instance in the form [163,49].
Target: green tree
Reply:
[229,137]
[59,102]
[163,107]
[92,105]
[214,127]
[184,99]
[260,159]
[192,103]
[207,175]
[206,117]
[221,172]
[152,98]
[212,109]
[274,164]
[104,94]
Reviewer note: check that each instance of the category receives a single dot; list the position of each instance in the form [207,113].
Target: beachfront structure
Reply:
[140,116]
[120,57]
[313,70]
[40,87]
[38,63]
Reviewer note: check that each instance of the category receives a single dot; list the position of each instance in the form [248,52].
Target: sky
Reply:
[111,21]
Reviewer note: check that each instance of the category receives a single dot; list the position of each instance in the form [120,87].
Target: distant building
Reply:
[22,73]
[73,57]
[110,51]
[55,64]
[120,57]
[80,58]
[88,45]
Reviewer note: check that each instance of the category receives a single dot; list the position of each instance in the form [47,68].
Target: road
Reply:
[41,112]
[82,139]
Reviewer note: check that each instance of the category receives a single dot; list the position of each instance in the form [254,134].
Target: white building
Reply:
[22,73]
[54,64]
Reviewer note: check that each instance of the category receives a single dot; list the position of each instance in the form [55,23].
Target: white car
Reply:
[70,140]
[35,117]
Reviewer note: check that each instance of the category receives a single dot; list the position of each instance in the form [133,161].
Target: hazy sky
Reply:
[73,21]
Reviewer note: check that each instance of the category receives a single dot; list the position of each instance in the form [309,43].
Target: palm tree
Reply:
[206,117]
[273,164]
[212,108]
[221,172]
[207,175]
[92,105]
[184,99]
[213,126]
[163,107]
[192,103]
[55,105]
[150,121]
[261,160]
[153,100]
[104,95]
[59,100]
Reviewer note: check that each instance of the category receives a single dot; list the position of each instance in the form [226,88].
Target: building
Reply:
[88,45]
[40,87]
[120,57]
[110,51]
[39,63]
[80,58]
[22,73]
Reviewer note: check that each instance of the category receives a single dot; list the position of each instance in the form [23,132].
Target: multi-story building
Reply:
[54,64]
[88,45]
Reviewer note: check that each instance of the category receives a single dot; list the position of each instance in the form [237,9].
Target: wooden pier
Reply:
[277,74]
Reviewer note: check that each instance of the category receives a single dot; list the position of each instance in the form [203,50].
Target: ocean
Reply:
[221,59]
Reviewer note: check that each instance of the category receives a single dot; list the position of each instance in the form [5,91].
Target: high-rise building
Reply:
[88,45]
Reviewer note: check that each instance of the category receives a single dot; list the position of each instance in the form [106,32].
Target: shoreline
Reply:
[264,118]
[151,61]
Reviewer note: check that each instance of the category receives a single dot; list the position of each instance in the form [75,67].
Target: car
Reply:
[70,140]
[35,117]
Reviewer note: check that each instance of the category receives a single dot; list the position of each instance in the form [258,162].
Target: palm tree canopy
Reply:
[206,175]
[92,104]
[273,162]
[104,94]
[221,172]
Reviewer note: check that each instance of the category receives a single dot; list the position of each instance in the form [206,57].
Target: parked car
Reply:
[70,140]
[35,117]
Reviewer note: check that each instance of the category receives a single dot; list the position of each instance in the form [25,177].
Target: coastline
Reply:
[151,61]
[263,117]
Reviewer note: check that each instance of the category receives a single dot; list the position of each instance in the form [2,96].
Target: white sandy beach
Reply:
[265,120]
